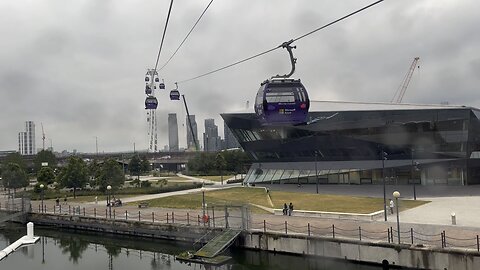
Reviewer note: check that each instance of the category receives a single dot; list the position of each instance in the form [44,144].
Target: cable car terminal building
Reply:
[351,143]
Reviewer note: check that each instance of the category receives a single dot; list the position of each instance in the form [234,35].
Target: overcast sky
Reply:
[78,66]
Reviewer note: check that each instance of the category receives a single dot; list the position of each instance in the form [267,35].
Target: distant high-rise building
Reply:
[190,141]
[230,140]
[26,139]
[211,140]
[172,132]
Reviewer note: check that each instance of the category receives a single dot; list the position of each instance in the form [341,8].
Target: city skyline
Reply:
[90,57]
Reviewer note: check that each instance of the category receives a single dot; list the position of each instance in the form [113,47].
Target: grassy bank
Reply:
[301,201]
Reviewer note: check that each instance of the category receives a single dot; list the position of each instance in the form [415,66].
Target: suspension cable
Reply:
[281,45]
[163,36]
[191,30]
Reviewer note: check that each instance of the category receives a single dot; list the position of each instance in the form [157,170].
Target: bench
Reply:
[143,205]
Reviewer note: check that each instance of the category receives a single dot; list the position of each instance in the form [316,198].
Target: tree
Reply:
[202,163]
[220,164]
[46,175]
[135,166]
[74,175]
[17,159]
[45,156]
[145,164]
[13,176]
[94,169]
[111,173]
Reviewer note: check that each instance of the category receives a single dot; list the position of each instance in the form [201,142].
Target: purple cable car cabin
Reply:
[151,103]
[148,90]
[282,101]
[174,95]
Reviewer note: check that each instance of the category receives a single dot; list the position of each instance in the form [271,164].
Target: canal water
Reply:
[68,250]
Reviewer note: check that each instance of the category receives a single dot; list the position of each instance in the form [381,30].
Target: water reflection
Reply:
[60,250]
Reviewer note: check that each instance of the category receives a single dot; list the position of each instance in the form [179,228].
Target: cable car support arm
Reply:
[293,60]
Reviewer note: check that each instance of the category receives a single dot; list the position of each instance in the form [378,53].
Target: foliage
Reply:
[46,175]
[146,184]
[162,182]
[13,176]
[202,163]
[17,159]
[52,194]
[145,165]
[74,175]
[94,170]
[135,166]
[44,156]
[208,163]
[111,173]
[220,163]
[135,182]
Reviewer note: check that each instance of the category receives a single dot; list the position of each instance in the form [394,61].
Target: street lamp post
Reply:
[108,201]
[384,157]
[42,194]
[396,194]
[411,175]
[203,202]
[316,170]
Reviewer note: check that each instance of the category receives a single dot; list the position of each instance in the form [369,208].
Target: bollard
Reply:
[454,218]
[30,230]
[153,217]
[188,219]
[308,227]
[94,212]
[139,215]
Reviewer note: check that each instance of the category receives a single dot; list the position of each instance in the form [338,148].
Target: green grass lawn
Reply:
[301,201]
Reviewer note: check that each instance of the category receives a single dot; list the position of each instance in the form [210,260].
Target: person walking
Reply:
[392,205]
[57,201]
[65,200]
[290,209]
[285,209]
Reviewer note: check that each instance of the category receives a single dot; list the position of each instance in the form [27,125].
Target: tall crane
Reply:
[405,82]
[43,137]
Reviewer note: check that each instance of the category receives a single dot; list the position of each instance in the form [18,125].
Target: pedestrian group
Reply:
[287,210]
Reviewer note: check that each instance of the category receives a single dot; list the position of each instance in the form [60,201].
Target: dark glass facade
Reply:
[349,146]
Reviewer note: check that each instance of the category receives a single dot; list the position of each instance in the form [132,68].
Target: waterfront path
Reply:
[428,221]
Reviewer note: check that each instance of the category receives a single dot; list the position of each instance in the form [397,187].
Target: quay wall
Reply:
[399,255]
[175,232]
[421,257]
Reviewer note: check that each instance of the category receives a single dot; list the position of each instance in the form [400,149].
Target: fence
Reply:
[389,235]
[227,216]
[239,217]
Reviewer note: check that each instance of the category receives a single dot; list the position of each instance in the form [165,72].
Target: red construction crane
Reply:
[406,80]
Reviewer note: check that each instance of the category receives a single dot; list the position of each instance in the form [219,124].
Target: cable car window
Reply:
[301,94]
[273,97]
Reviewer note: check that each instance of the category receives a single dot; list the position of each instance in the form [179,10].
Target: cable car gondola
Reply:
[151,103]
[161,85]
[148,90]
[282,100]
[147,79]
[157,79]
[174,95]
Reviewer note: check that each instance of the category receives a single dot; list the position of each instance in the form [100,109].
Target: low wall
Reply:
[399,255]
[338,215]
